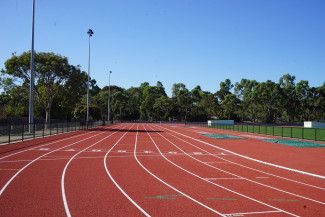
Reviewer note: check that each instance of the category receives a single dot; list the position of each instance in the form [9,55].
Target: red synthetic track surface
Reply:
[159,170]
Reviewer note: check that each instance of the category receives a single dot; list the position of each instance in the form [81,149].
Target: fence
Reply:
[316,134]
[19,132]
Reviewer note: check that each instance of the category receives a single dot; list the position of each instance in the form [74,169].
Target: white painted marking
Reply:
[147,152]
[222,178]
[44,149]
[162,181]
[253,159]
[227,189]
[217,162]
[27,165]
[268,186]
[64,197]
[96,150]
[251,213]
[50,143]
[116,184]
[121,151]
[71,149]
[172,152]
[253,169]
[197,153]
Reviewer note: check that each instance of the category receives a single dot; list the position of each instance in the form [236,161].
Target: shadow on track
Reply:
[125,130]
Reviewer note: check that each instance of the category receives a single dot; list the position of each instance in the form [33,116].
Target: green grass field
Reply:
[292,132]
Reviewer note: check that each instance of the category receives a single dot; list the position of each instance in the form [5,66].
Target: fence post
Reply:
[22,132]
[9,131]
[34,129]
[43,129]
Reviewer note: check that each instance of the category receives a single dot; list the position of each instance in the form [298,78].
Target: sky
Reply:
[196,42]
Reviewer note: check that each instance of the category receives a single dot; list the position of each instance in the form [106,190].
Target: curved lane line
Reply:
[227,189]
[241,165]
[50,143]
[175,189]
[36,159]
[238,176]
[64,197]
[116,184]
[252,159]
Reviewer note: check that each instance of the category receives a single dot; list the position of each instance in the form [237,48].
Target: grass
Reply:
[292,132]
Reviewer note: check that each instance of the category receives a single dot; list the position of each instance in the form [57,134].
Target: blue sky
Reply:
[197,42]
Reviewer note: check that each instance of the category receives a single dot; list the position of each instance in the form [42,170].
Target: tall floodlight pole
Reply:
[31,85]
[90,33]
[109,97]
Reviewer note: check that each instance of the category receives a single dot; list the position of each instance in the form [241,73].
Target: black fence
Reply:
[12,132]
[297,132]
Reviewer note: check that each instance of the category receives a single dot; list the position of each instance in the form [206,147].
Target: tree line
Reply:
[60,93]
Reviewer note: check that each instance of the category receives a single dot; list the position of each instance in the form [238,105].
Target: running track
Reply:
[160,170]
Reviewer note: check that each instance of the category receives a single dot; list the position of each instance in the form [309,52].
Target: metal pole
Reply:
[31,86]
[87,117]
[109,97]
[90,33]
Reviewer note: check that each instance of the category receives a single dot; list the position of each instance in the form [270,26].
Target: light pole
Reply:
[109,97]
[90,33]
[31,86]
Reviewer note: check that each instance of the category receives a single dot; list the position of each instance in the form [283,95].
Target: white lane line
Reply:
[162,181]
[217,162]
[64,197]
[262,162]
[250,213]
[27,165]
[253,159]
[226,178]
[250,180]
[116,184]
[227,189]
[50,143]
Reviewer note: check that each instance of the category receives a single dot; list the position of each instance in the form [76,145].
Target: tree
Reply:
[229,106]
[247,105]
[51,72]
[225,87]
[288,89]
[268,100]
[181,100]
